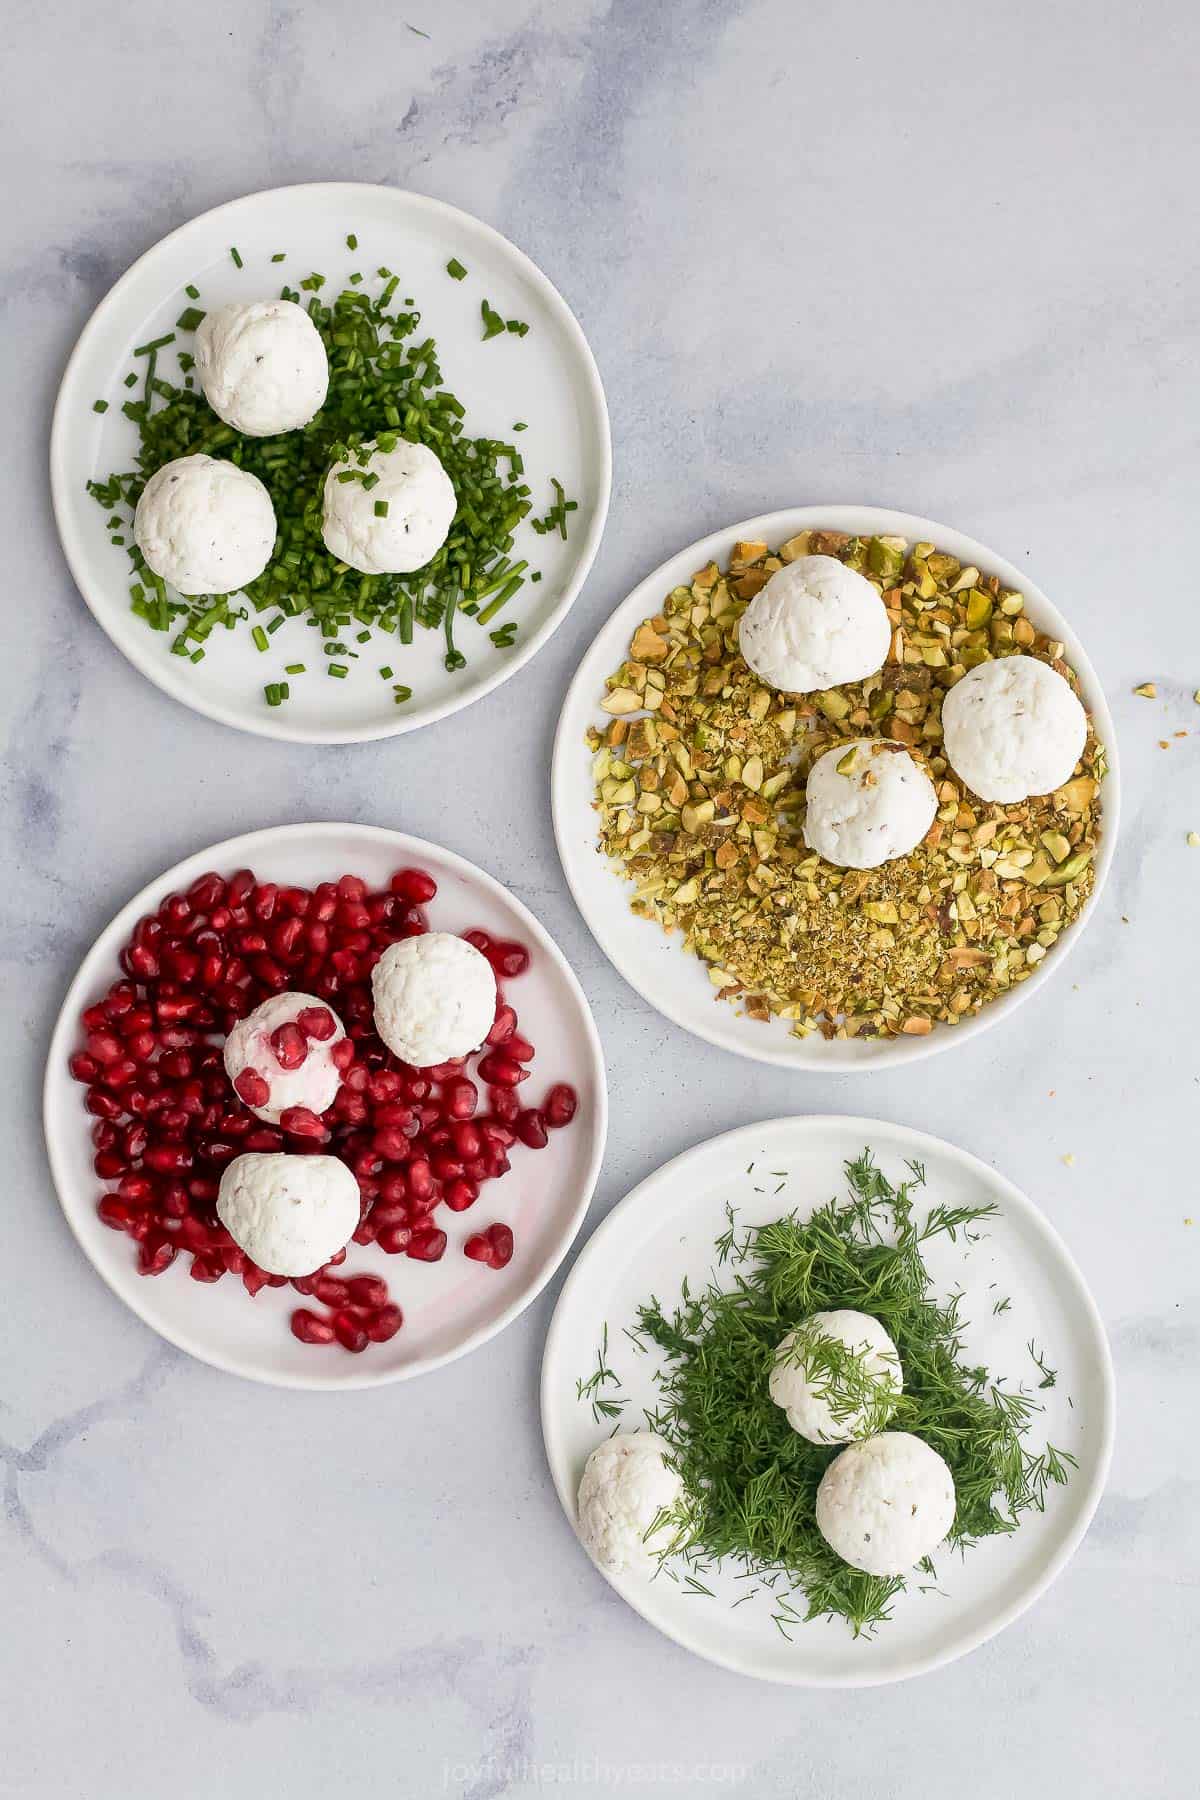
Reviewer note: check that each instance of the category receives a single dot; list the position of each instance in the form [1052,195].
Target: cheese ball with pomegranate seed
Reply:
[435,998]
[284,1054]
[290,1214]
[204,525]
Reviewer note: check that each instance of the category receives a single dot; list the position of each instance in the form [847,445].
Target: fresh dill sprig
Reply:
[1049,1376]
[588,1387]
[751,1480]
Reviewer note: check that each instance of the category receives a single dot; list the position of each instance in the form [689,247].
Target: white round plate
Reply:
[451,1306]
[548,379]
[665,1230]
[655,965]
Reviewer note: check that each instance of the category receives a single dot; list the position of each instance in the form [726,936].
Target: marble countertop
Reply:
[939,258]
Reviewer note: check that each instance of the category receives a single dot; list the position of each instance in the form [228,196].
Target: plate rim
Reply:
[920,1141]
[897,1051]
[67,401]
[241,848]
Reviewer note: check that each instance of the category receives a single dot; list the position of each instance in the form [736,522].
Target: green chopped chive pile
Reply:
[385,384]
[751,1480]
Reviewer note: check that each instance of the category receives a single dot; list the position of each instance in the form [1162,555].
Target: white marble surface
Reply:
[938,257]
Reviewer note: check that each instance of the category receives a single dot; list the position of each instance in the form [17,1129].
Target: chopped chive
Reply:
[351,241]
[279,256]
[536,576]
[274,693]
[337,669]
[401,694]
[274,624]
[237,261]
[294,669]
[158,343]
[381,506]
[493,324]
[100,406]
[362,637]
[260,637]
[455,269]
[193,293]
[189,318]
[517,326]
[197,655]
[131,379]
[406,620]
[520,425]
[386,672]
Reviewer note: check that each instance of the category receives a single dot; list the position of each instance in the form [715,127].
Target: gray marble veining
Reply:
[938,257]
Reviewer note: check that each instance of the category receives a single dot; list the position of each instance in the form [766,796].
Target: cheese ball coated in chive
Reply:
[205,526]
[1013,727]
[262,366]
[885,1503]
[868,802]
[814,625]
[837,1377]
[397,523]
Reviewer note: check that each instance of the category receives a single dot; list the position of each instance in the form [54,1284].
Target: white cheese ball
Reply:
[262,366]
[815,624]
[420,501]
[205,526]
[885,1503]
[290,1214]
[435,998]
[314,1083]
[1013,727]
[868,802]
[626,1485]
[826,1403]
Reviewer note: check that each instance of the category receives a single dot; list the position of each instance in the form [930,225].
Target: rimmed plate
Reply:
[665,1230]
[451,1306]
[548,379]
[656,966]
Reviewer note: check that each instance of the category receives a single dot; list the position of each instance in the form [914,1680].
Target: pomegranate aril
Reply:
[384,1323]
[252,1087]
[504,1104]
[254,1279]
[330,1290]
[414,885]
[310,1329]
[262,901]
[349,1332]
[168,1159]
[531,1128]
[103,1047]
[342,1056]
[460,1099]
[503,1026]
[83,1067]
[419,1176]
[300,1121]
[289,1045]
[478,1248]
[519,1048]
[499,1070]
[208,891]
[465,1138]
[317,1022]
[508,959]
[501,1240]
[392,1144]
[155,1256]
[394,1238]
[206,1268]
[427,1245]
[114,1213]
[559,1106]
[460,1194]
[368,1290]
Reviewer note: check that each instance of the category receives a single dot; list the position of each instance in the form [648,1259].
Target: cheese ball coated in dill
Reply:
[837,1377]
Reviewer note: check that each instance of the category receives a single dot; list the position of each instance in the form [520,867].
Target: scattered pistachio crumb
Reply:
[1193,839]
[1069,1159]
[1147,690]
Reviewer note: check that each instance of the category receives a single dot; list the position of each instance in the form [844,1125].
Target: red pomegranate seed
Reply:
[560,1105]
[206,1268]
[519,1048]
[504,1103]
[251,1087]
[155,1256]
[103,1047]
[330,1290]
[460,1098]
[428,1244]
[460,1194]
[262,901]
[414,885]
[384,1324]
[479,940]
[478,1248]
[254,1279]
[501,1240]
[504,1026]
[508,959]
[368,1290]
[349,1331]
[531,1128]
[310,1329]
[499,1070]
[289,1045]
[301,1122]
[317,1022]
[207,892]
[341,1056]
[114,1213]
[168,1159]
[83,1067]
[394,1239]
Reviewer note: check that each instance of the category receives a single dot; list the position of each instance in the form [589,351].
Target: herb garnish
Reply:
[751,1480]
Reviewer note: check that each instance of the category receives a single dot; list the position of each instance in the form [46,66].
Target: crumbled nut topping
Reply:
[699,778]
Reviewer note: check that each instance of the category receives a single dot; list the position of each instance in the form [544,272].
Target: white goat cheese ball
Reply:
[420,501]
[815,624]
[868,802]
[290,1214]
[435,998]
[314,1083]
[822,1403]
[626,1485]
[885,1503]
[262,366]
[205,526]
[1013,727]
